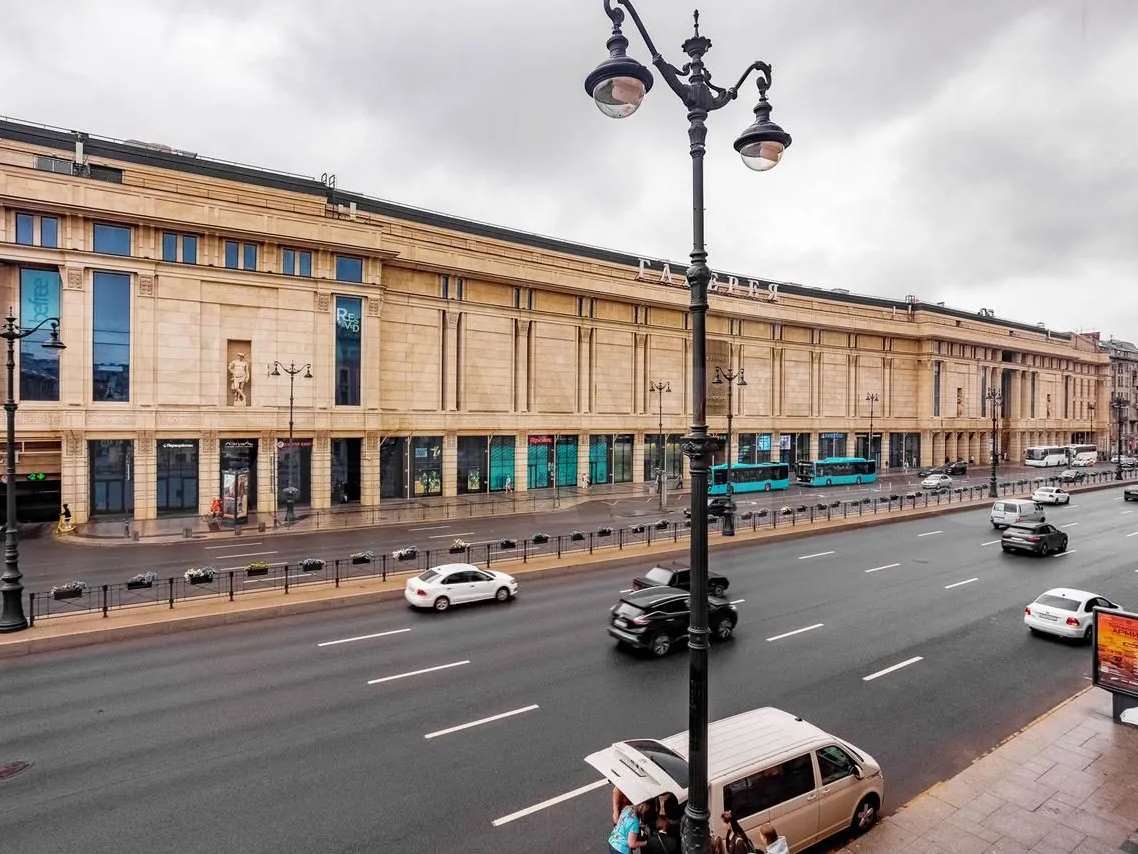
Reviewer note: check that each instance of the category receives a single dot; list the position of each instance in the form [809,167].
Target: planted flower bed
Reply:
[458,547]
[637,529]
[507,544]
[540,539]
[604,532]
[70,590]
[661,525]
[577,536]
[199,574]
[363,557]
[405,553]
[257,567]
[142,580]
[312,564]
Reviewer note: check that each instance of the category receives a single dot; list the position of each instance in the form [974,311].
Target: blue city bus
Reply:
[749,477]
[835,471]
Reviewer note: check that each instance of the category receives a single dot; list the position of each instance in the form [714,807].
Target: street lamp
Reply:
[732,378]
[292,370]
[617,86]
[12,617]
[995,400]
[658,388]
[1118,403]
[872,397]
[1090,421]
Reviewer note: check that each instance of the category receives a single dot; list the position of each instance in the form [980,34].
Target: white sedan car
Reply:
[455,583]
[1065,612]
[936,482]
[1051,495]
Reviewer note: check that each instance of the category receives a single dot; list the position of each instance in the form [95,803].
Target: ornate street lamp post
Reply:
[12,617]
[617,86]
[732,378]
[658,388]
[1118,403]
[292,370]
[995,400]
[1090,421]
[872,397]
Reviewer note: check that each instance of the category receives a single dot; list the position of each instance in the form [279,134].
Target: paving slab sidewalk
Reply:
[1065,784]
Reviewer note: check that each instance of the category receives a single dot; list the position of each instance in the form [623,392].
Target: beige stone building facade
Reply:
[446,357]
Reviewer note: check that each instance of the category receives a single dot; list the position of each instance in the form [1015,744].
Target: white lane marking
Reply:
[879,568]
[456,534]
[481,721]
[888,670]
[514,816]
[796,632]
[736,601]
[818,554]
[233,546]
[1133,534]
[1072,506]
[417,672]
[929,533]
[248,554]
[990,543]
[1069,525]
[430,528]
[959,583]
[363,637]
[629,590]
[1124,512]
[1064,554]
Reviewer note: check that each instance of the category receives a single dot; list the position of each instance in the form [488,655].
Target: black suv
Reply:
[1072,476]
[717,506]
[1130,493]
[1038,537]
[680,578]
[656,618]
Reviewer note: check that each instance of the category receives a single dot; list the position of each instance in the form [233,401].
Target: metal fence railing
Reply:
[260,576]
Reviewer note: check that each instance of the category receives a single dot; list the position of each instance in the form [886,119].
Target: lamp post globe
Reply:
[618,85]
[763,143]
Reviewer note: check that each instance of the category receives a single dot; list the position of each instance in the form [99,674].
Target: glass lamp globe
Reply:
[762,156]
[619,97]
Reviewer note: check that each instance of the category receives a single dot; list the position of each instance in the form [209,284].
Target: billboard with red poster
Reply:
[1116,652]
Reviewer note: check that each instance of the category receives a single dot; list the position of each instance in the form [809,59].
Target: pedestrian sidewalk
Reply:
[1066,783]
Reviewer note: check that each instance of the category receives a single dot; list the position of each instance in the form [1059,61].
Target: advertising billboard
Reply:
[1116,652]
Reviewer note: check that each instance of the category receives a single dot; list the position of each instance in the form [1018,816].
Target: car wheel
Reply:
[661,645]
[1063,546]
[864,816]
[723,629]
[994,525]
[503,594]
[1089,634]
[1044,550]
[1006,549]
[716,590]
[441,604]
[1036,632]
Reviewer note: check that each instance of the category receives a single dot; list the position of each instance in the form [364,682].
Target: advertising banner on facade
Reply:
[1116,652]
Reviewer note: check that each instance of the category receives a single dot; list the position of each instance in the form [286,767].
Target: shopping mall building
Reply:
[446,356]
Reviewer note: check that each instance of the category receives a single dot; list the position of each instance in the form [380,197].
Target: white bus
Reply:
[1082,455]
[1046,456]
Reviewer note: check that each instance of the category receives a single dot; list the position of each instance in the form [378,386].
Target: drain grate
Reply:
[11,769]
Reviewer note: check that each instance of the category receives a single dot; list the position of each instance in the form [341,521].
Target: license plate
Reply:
[620,623]
[1050,617]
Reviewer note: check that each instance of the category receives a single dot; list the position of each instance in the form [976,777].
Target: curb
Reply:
[567,565]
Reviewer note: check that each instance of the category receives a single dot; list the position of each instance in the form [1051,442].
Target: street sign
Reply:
[37,475]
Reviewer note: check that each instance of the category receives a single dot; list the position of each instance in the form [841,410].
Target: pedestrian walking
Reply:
[626,836]
[509,485]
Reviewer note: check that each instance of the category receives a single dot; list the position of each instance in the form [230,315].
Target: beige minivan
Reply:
[765,765]
[1012,511]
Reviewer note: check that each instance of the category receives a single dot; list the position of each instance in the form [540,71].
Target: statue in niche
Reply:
[238,379]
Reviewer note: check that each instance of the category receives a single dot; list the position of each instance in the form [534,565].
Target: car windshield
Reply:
[659,575]
[429,575]
[674,765]
[628,610]
[1060,602]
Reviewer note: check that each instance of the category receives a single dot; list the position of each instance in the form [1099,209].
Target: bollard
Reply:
[231,585]
[104,601]
[648,538]
[171,592]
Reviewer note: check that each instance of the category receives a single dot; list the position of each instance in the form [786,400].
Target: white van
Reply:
[1012,511]
[765,765]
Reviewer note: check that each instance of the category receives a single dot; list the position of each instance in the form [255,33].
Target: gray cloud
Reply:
[975,152]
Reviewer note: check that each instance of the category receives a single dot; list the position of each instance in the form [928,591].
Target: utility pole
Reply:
[658,388]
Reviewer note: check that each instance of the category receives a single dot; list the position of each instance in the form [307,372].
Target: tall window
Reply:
[240,255]
[25,229]
[349,269]
[936,388]
[29,227]
[111,336]
[39,367]
[348,310]
[296,262]
[111,239]
[179,247]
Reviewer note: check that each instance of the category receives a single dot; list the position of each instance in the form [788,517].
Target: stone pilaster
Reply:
[266,473]
[321,470]
[209,468]
[369,470]
[145,476]
[582,455]
[521,462]
[450,465]
[75,474]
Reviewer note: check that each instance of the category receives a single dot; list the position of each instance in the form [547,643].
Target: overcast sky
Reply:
[980,152]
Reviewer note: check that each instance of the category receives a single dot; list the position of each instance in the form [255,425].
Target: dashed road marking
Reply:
[990,543]
[818,554]
[481,721]
[796,632]
[417,672]
[892,669]
[960,583]
[879,568]
[363,637]
[514,816]
[929,533]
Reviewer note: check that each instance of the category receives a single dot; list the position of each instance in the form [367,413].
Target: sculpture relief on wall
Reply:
[240,374]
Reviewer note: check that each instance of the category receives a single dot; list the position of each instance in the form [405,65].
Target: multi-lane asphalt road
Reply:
[45,562]
[381,729]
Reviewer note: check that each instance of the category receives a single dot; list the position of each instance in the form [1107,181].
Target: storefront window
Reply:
[904,450]
[427,465]
[473,460]
[862,446]
[540,462]
[393,467]
[566,447]
[672,457]
[346,471]
[746,445]
[348,314]
[719,455]
[622,458]
[177,476]
[794,447]
[501,463]
[238,454]
[831,445]
[294,468]
[39,366]
[112,477]
[600,449]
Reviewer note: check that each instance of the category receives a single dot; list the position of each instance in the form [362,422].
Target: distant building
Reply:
[1124,382]
[449,357]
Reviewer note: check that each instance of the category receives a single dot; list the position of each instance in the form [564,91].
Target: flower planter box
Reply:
[312,565]
[139,585]
[687,523]
[67,594]
[202,580]
[540,539]
[457,550]
[577,536]
[409,554]
[508,544]
[637,529]
[761,514]
[256,570]
[662,525]
[746,515]
[358,559]
[604,532]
